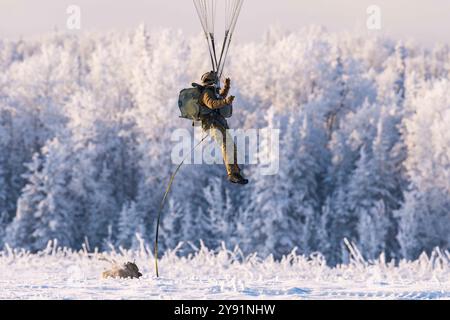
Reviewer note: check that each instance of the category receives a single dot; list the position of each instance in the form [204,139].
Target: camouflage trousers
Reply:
[217,127]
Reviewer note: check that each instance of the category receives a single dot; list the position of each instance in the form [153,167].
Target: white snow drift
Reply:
[66,274]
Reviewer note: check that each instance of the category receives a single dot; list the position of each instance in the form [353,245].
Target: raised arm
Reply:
[226,88]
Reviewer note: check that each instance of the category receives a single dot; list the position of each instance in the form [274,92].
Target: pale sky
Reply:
[426,21]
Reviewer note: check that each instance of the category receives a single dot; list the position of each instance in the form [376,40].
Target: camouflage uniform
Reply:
[218,125]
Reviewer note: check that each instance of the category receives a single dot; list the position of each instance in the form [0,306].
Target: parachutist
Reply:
[211,106]
[207,103]
[219,107]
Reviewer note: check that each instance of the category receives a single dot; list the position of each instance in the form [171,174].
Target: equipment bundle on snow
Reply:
[128,270]
[191,107]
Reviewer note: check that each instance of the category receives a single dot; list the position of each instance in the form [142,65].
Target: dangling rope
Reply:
[166,194]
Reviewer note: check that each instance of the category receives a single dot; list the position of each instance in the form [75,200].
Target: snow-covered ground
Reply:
[64,274]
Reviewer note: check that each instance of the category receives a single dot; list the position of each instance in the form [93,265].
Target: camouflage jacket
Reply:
[209,97]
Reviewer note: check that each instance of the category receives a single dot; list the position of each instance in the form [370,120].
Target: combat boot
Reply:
[237,178]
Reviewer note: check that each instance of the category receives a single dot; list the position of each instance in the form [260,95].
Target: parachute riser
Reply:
[227,33]
[211,53]
[213,44]
[221,68]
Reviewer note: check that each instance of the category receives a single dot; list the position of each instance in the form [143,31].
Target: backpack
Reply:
[192,109]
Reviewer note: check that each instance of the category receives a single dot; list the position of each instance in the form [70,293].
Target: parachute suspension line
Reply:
[213,43]
[209,12]
[206,11]
[227,33]
[212,55]
[227,14]
[211,18]
[200,6]
[231,26]
[166,194]
[227,28]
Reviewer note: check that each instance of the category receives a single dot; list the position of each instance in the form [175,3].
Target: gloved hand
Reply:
[230,100]
[227,82]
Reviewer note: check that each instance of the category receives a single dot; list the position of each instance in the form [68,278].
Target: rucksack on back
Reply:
[189,103]
[190,107]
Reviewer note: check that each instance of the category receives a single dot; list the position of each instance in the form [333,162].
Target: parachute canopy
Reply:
[206,10]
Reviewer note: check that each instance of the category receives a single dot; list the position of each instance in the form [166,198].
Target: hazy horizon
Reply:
[426,23]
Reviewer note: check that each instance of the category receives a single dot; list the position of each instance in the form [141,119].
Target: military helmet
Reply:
[209,77]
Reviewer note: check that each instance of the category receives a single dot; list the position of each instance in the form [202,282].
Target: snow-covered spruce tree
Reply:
[20,231]
[399,92]
[340,224]
[258,212]
[5,139]
[102,124]
[171,229]
[366,198]
[95,137]
[155,79]
[14,155]
[413,215]
[439,66]
[31,106]
[3,227]
[39,100]
[12,158]
[424,217]
[343,103]
[55,211]
[339,102]
[306,171]
[187,217]
[131,223]
[10,51]
[357,130]
[375,188]
[102,210]
[285,204]
[111,89]
[218,216]
[397,86]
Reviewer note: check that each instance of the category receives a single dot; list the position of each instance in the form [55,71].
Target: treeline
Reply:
[86,121]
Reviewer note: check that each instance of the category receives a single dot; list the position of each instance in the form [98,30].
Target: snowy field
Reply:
[64,274]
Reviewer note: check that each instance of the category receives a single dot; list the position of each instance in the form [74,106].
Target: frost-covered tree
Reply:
[366,197]
[217,218]
[392,80]
[95,142]
[20,231]
[285,206]
[3,226]
[54,215]
[155,79]
[32,107]
[424,216]
[5,139]
[374,190]
[345,146]
[131,223]
[171,232]
[363,125]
